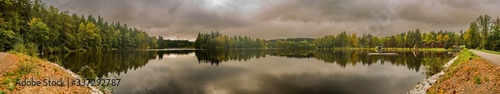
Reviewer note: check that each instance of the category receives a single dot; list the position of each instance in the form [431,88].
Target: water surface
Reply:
[254,71]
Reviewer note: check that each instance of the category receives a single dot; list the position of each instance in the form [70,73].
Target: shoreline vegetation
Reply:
[41,29]
[469,74]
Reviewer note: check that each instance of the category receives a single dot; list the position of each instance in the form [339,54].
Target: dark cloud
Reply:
[183,19]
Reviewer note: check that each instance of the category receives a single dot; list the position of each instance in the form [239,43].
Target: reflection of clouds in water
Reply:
[270,75]
[185,75]
[178,55]
[170,56]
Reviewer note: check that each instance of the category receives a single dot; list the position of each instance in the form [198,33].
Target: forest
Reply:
[162,44]
[30,26]
[215,40]
[483,33]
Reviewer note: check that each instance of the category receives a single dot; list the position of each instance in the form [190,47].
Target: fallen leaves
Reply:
[463,81]
[46,71]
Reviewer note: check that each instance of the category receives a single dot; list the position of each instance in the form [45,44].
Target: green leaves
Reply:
[25,21]
[216,40]
[1,19]
[38,31]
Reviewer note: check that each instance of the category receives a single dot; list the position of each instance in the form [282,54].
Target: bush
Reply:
[477,79]
[11,87]
[65,49]
[20,48]
[28,49]
[25,68]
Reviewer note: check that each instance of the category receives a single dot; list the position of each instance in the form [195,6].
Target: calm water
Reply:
[256,71]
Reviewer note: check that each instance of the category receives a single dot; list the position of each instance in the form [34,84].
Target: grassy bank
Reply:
[468,74]
[394,49]
[489,51]
[19,67]
[464,56]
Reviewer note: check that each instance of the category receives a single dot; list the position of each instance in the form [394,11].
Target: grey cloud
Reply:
[446,12]
[183,19]
[320,10]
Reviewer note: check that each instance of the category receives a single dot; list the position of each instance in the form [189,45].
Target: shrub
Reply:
[20,48]
[25,68]
[28,49]
[65,49]
[477,79]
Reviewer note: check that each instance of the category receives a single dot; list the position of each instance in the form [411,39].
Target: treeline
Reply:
[216,40]
[29,25]
[343,40]
[174,43]
[403,40]
[292,43]
[483,33]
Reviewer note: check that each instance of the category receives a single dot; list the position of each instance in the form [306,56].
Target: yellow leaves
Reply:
[439,38]
[8,2]
[467,34]
[446,38]
[32,21]
[353,39]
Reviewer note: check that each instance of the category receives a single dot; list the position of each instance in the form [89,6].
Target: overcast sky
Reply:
[270,19]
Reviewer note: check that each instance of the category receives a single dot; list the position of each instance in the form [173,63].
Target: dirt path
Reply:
[7,62]
[492,58]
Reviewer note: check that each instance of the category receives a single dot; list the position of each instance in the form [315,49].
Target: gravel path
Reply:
[2,55]
[492,58]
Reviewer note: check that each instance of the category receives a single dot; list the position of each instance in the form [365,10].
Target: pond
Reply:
[254,71]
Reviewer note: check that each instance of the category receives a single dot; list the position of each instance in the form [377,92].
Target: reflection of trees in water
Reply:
[219,56]
[344,58]
[292,53]
[433,61]
[173,52]
[99,64]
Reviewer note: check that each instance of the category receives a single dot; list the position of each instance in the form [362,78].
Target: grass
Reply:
[489,51]
[464,56]
[394,49]
[477,79]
